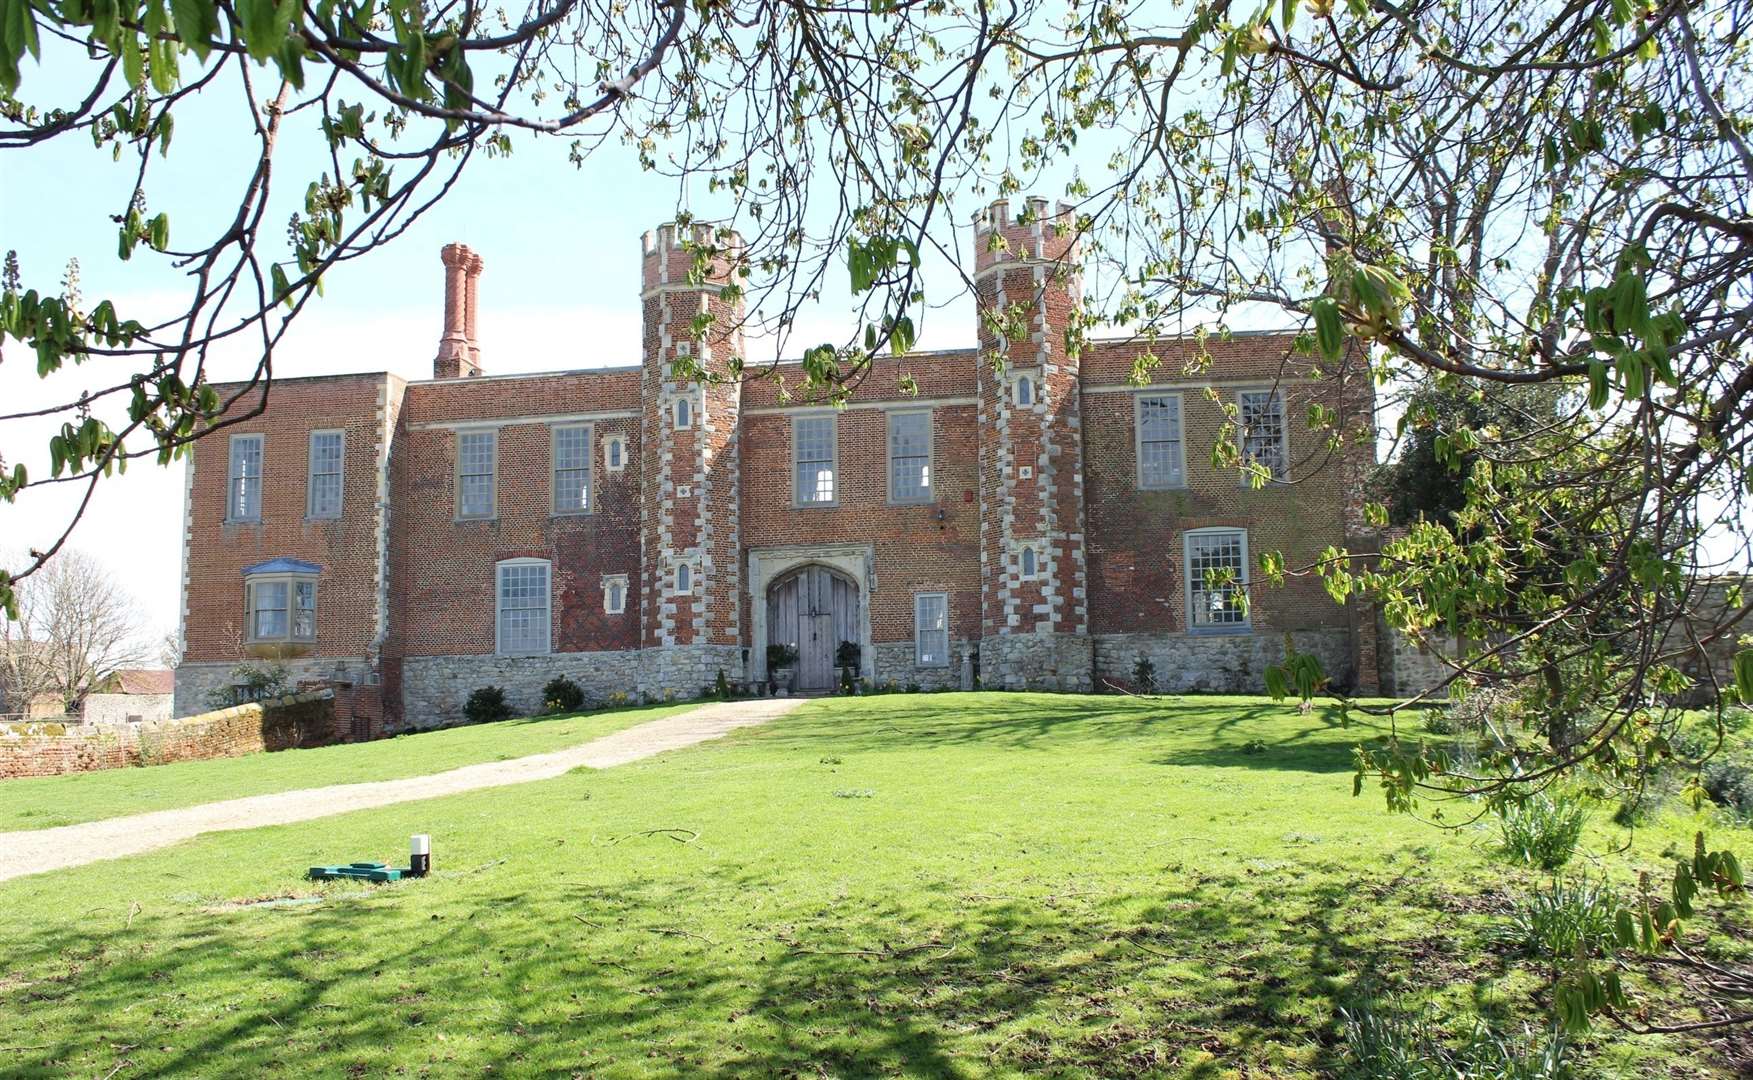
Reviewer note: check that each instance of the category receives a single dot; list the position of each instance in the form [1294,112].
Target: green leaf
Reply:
[282,288]
[196,22]
[1329,328]
[1630,304]
[1744,675]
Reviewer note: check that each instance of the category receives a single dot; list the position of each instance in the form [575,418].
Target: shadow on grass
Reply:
[1212,974]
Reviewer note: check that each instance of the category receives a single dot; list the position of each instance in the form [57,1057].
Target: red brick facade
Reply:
[1055,565]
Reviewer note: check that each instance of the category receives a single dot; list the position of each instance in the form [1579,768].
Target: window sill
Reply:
[460,520]
[279,641]
[523,655]
[312,519]
[243,521]
[570,513]
[913,500]
[1221,631]
[1163,487]
[835,505]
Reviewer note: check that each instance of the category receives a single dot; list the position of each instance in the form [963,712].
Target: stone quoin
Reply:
[1032,512]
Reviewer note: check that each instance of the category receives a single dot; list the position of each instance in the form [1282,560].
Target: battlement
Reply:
[1035,234]
[666,258]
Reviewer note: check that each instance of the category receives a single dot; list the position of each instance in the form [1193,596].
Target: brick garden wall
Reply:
[50,749]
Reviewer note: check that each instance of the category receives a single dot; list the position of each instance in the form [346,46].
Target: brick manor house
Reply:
[408,542]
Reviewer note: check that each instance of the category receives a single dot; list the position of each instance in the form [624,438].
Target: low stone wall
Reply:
[1037,662]
[119,708]
[896,663]
[200,685]
[48,749]
[1217,663]
[435,688]
[1416,666]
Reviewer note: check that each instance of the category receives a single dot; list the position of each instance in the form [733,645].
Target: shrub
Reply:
[1557,921]
[1543,831]
[486,705]
[1379,1047]
[722,687]
[848,685]
[561,695]
[848,654]
[252,680]
[781,656]
[1729,784]
[1144,674]
[912,688]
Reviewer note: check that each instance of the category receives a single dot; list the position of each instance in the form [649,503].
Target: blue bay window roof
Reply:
[282,566]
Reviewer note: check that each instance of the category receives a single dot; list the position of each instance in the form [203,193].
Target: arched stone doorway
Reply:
[814,609]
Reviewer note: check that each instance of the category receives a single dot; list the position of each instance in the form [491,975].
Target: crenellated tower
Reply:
[690,602]
[1034,599]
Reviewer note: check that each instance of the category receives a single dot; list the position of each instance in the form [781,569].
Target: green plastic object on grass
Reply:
[361,871]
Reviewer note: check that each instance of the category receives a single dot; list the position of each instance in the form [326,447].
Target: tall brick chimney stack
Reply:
[459,352]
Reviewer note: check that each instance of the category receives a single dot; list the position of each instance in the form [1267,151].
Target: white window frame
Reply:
[311,510]
[1243,579]
[610,583]
[919,630]
[1179,478]
[930,447]
[492,474]
[233,492]
[1277,394]
[252,588]
[832,419]
[614,446]
[588,505]
[499,608]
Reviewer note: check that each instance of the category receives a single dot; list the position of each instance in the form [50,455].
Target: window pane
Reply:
[815,459]
[1217,576]
[475,452]
[270,613]
[1159,441]
[1263,434]
[246,478]
[571,469]
[523,608]
[909,455]
[931,629]
[304,613]
[325,474]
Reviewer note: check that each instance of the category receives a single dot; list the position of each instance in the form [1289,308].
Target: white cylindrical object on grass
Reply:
[420,854]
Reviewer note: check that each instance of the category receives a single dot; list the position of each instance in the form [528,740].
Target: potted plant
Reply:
[781,667]
[846,658]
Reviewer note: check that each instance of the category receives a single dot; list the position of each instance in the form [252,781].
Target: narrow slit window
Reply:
[684,578]
[1025,390]
[684,413]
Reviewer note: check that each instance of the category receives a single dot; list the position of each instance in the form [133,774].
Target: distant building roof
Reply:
[145,681]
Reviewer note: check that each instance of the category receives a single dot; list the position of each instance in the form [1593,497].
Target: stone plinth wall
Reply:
[895,663]
[202,686]
[435,688]
[50,749]
[1216,663]
[1037,662]
[1415,666]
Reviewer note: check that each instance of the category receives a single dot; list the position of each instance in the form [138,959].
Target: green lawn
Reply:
[920,885]
[41,803]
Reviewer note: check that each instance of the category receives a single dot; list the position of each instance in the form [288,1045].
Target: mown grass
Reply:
[922,885]
[44,802]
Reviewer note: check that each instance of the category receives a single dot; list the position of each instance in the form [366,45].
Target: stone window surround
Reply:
[493,472]
[1023,549]
[832,416]
[919,630]
[1032,375]
[589,502]
[1276,391]
[1138,400]
[1246,625]
[614,452]
[233,480]
[767,565]
[310,508]
[930,454]
[610,581]
[684,568]
[252,584]
[499,605]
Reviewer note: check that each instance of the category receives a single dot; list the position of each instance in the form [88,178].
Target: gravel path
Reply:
[38,850]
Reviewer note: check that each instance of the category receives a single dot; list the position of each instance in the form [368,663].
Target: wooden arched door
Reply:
[814,609]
